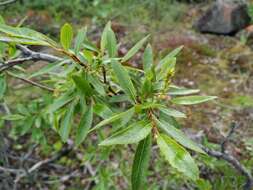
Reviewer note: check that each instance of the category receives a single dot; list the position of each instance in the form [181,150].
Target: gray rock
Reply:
[224,17]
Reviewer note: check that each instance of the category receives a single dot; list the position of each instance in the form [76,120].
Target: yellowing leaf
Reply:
[66,36]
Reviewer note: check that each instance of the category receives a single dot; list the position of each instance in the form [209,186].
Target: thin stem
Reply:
[32,82]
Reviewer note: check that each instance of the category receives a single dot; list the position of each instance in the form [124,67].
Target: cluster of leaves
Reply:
[94,88]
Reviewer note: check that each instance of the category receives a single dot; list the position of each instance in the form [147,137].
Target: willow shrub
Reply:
[96,90]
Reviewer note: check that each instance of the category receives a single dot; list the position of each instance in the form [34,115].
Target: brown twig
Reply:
[41,163]
[30,55]
[235,163]
[227,138]
[33,83]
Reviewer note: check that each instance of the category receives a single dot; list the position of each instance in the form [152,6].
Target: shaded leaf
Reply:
[82,84]
[44,70]
[124,80]
[67,122]
[140,164]
[84,125]
[3,85]
[59,102]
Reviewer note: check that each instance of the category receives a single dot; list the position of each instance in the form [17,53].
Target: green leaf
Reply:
[28,123]
[119,98]
[60,102]
[97,84]
[132,134]
[174,90]
[190,100]
[67,122]
[25,35]
[45,70]
[82,84]
[170,55]
[22,41]
[179,136]
[80,39]
[108,41]
[13,117]
[124,80]
[2,20]
[140,164]
[134,49]
[172,112]
[147,58]
[66,36]
[113,118]
[166,68]
[3,85]
[102,110]
[84,126]
[178,157]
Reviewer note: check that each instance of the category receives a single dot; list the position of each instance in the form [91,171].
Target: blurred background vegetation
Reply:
[217,65]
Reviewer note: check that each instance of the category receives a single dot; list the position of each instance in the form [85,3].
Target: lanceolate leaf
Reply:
[3,85]
[25,34]
[140,164]
[80,39]
[124,80]
[97,84]
[66,36]
[84,125]
[174,90]
[59,102]
[179,136]
[172,112]
[23,41]
[67,122]
[178,157]
[132,134]
[112,119]
[190,100]
[13,117]
[108,41]
[170,55]
[134,49]
[147,58]
[82,84]
[103,111]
